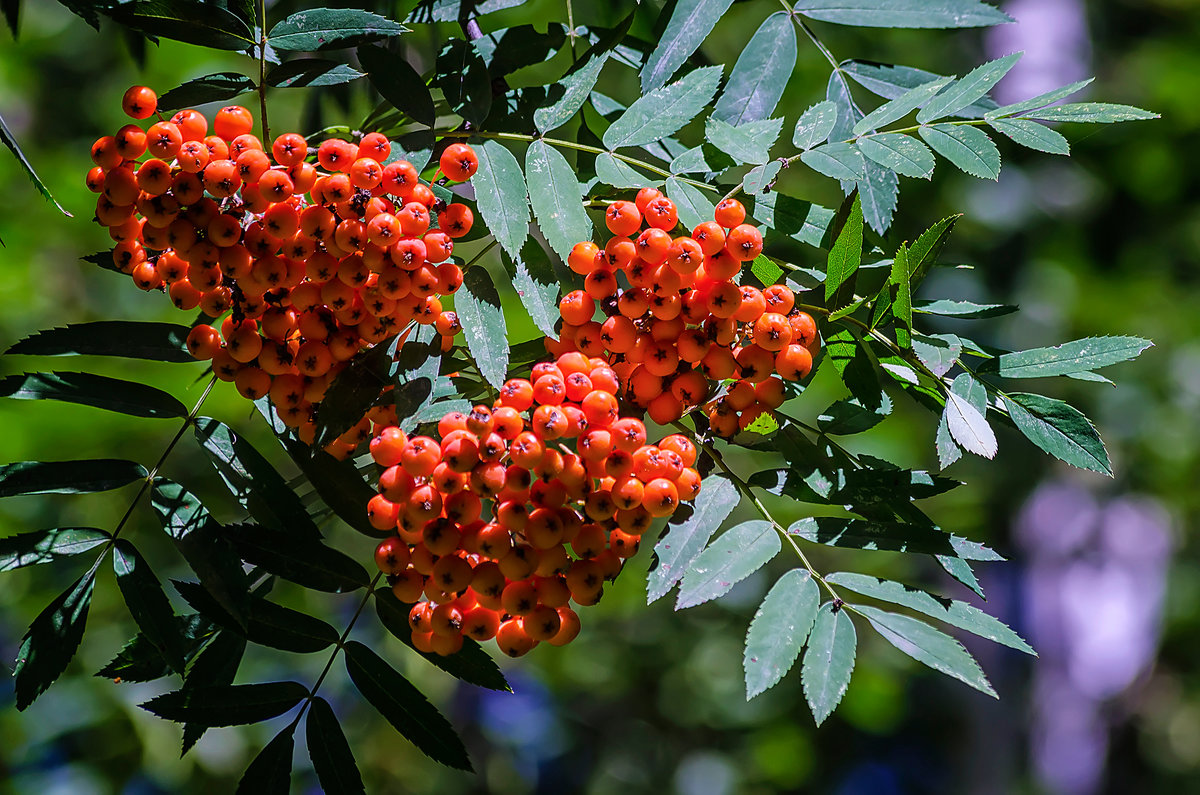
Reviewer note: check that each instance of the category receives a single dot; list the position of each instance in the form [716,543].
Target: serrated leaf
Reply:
[800,220]
[478,306]
[938,352]
[736,554]
[7,137]
[890,81]
[68,477]
[217,87]
[46,546]
[829,661]
[147,602]
[331,28]
[464,80]
[953,612]
[141,661]
[618,173]
[663,111]
[51,640]
[968,426]
[899,107]
[900,292]
[849,416]
[405,707]
[216,665]
[98,391]
[923,254]
[311,72]
[690,23]
[271,771]
[576,87]
[872,535]
[904,13]
[296,558]
[759,179]
[1059,429]
[332,759]
[556,197]
[966,310]
[765,270]
[969,148]
[1089,353]
[846,253]
[975,393]
[749,143]
[353,392]
[973,86]
[854,366]
[762,71]
[470,663]
[693,205]
[339,483]
[878,188]
[398,82]
[1041,100]
[840,160]
[815,125]
[1092,113]
[161,342]
[230,705]
[205,24]
[1033,135]
[687,536]
[929,646]
[501,196]
[698,159]
[779,629]
[271,624]
[900,153]
[537,286]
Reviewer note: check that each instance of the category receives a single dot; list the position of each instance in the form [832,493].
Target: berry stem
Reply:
[262,70]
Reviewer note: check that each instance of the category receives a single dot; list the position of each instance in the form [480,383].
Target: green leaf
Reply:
[661,112]
[1059,429]
[253,481]
[846,253]
[51,640]
[871,535]
[556,197]
[900,292]
[478,307]
[687,535]
[67,477]
[904,14]
[690,23]
[698,159]
[899,107]
[1041,100]
[815,125]
[693,205]
[969,148]
[939,352]
[900,153]
[576,87]
[217,87]
[464,80]
[230,705]
[311,72]
[890,81]
[206,24]
[761,73]
[800,220]
[537,286]
[928,247]
[1092,113]
[975,393]
[840,161]
[618,173]
[398,83]
[11,142]
[929,646]
[969,89]
[1089,353]
[161,342]
[147,602]
[353,392]
[779,629]
[966,310]
[953,612]
[46,546]
[765,270]
[216,665]
[749,143]
[968,426]
[99,391]
[295,558]
[853,364]
[501,196]
[470,664]
[405,707]
[283,628]
[759,179]
[850,416]
[829,661]
[1033,135]
[339,483]
[332,759]
[736,554]
[331,28]
[271,771]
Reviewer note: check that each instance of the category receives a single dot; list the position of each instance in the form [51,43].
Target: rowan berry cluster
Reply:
[313,261]
[683,322]
[500,525]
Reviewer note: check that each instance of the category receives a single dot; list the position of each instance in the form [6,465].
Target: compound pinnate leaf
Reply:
[576,87]
[305,72]
[929,646]
[68,477]
[900,153]
[779,629]
[690,23]
[44,546]
[890,81]
[147,603]
[216,665]
[160,342]
[397,82]
[297,559]
[409,712]
[687,536]
[761,73]
[849,416]
[663,111]
[829,661]
[1089,353]
[331,28]
[969,148]
[271,771]
[338,482]
[228,705]
[501,196]
[217,87]
[970,89]
[51,640]
[557,198]
[329,751]
[736,554]
[904,13]
[353,392]
[98,391]
[1059,429]
[479,310]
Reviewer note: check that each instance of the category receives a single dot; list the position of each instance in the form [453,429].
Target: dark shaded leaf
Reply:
[216,665]
[68,477]
[1059,429]
[303,72]
[353,392]
[160,342]
[800,220]
[464,80]
[271,771]
[331,756]
[339,483]
[45,546]
[100,391]
[51,640]
[849,356]
[331,28]
[210,88]
[866,534]
[206,24]
[230,705]
[283,628]
[11,142]
[850,416]
[398,82]
[147,602]
[302,561]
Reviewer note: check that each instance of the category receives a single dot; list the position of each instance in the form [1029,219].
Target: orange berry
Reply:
[139,102]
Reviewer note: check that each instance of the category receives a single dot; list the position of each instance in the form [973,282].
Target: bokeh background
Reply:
[1103,578]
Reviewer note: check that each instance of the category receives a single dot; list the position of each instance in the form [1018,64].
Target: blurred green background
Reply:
[1104,575]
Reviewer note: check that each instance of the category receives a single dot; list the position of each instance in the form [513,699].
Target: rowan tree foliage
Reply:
[633,196]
